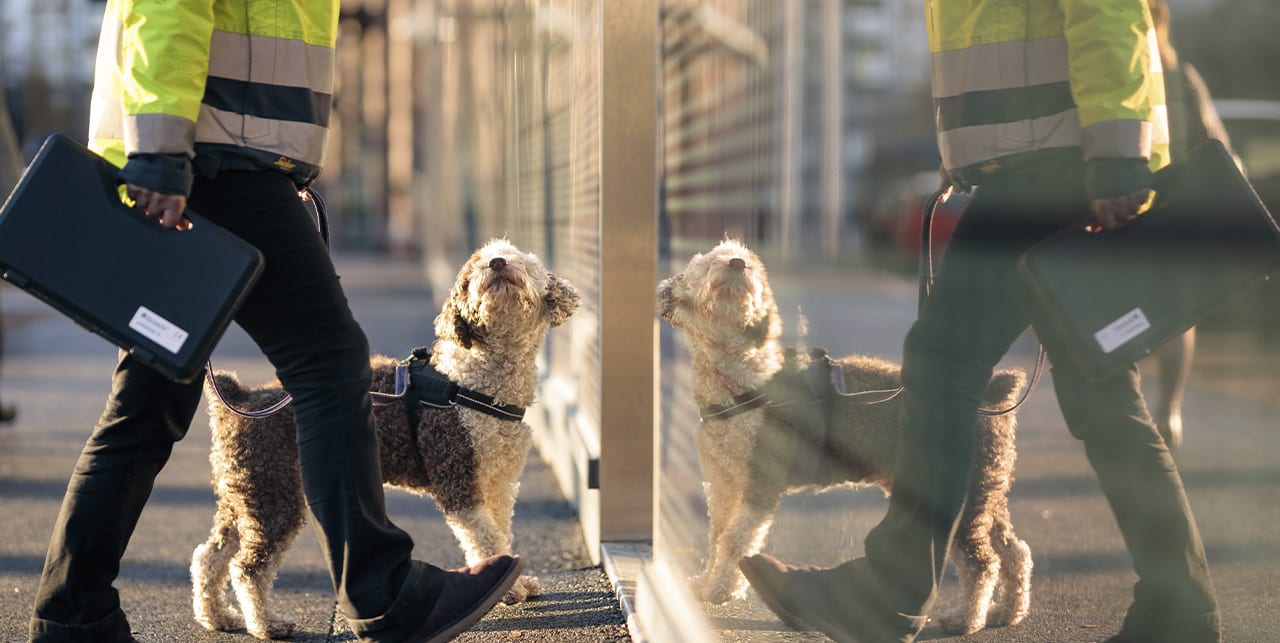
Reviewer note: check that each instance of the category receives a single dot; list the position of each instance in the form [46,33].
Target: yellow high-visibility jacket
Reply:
[1013,78]
[230,84]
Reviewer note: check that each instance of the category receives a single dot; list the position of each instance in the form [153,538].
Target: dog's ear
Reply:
[452,323]
[561,300]
[670,292]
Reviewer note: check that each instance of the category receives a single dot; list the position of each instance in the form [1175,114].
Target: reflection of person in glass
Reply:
[7,412]
[10,169]
[1192,120]
[1077,129]
[224,104]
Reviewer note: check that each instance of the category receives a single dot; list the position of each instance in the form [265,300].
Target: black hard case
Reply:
[67,238]
[1117,295]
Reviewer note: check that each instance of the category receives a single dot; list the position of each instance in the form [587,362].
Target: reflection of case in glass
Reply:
[1117,295]
[165,296]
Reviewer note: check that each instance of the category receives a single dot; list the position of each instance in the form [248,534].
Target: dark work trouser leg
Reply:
[977,308]
[1174,599]
[299,316]
[145,414]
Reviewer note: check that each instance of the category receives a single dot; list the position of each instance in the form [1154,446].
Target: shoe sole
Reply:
[468,620]
[786,615]
[798,622]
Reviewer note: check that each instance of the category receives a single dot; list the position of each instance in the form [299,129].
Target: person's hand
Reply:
[1118,189]
[165,209]
[1112,212]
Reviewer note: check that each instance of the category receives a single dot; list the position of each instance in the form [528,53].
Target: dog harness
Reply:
[419,383]
[788,386]
[740,404]
[822,381]
[801,402]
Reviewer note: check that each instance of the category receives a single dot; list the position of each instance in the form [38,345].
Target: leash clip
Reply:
[837,377]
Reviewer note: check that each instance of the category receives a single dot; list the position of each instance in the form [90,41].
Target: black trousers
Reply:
[299,317]
[978,306]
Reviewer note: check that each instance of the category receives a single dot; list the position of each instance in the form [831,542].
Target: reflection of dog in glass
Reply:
[468,456]
[754,447]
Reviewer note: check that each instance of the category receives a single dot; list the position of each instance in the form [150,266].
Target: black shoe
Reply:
[1168,636]
[7,414]
[468,594]
[1124,637]
[1140,627]
[830,600]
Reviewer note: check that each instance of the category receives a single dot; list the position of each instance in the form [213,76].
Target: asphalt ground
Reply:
[58,376]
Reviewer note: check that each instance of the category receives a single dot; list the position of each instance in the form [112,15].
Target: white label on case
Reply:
[158,329]
[1120,331]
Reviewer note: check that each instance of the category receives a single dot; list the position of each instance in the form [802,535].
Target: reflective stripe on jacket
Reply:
[250,79]
[1017,77]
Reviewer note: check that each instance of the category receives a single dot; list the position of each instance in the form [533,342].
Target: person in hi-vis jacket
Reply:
[224,106]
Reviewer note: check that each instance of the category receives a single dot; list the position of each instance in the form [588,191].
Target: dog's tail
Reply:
[1004,388]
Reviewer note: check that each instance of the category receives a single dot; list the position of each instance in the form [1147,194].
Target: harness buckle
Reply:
[837,377]
[402,379]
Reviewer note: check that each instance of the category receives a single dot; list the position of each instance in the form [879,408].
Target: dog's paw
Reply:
[1009,608]
[1005,618]
[716,591]
[224,621]
[962,623]
[275,628]
[525,587]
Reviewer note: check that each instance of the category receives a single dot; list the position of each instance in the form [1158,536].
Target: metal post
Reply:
[832,126]
[791,121]
[628,265]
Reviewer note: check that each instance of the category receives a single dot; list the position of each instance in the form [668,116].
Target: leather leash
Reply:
[926,283]
[310,195]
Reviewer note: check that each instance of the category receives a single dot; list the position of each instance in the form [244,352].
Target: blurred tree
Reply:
[10,151]
[1236,55]
[10,170]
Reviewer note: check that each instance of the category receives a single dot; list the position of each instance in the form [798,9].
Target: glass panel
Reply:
[805,131]
[511,135]
[770,116]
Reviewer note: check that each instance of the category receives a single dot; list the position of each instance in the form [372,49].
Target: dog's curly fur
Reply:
[488,335]
[723,304]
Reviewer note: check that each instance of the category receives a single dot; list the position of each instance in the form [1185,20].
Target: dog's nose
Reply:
[737,265]
[498,263]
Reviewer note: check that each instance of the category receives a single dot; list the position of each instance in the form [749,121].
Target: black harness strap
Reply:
[429,388]
[740,404]
[776,392]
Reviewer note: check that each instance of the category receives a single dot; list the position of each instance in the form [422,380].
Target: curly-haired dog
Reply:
[753,450]
[488,334]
